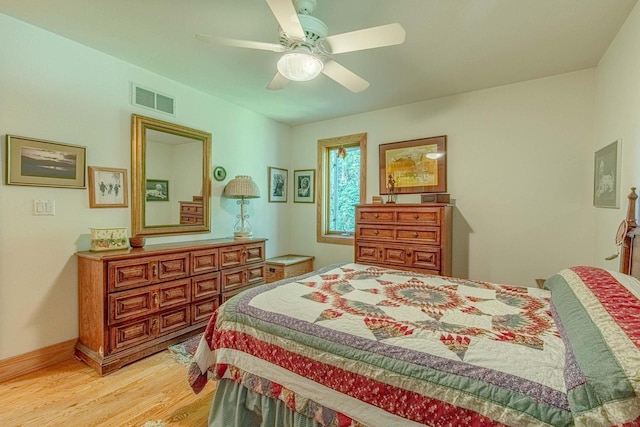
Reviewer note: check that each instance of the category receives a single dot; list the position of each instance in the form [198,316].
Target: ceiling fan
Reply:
[307,46]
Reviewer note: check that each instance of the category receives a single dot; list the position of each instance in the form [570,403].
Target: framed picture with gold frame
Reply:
[108,187]
[414,166]
[41,163]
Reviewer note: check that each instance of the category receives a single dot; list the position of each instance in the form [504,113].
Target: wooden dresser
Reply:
[405,236]
[192,212]
[136,302]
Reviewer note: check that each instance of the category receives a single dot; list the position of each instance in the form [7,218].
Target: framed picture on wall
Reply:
[304,185]
[45,163]
[606,176]
[107,187]
[278,183]
[157,190]
[415,166]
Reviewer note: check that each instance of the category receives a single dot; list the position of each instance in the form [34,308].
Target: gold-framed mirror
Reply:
[170,178]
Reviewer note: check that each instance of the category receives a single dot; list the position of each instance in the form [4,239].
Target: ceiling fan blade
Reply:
[222,41]
[287,17]
[279,82]
[345,77]
[369,38]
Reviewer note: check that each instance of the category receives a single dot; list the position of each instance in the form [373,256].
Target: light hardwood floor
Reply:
[72,394]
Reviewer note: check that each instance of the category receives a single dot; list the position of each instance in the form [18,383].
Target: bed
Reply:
[358,345]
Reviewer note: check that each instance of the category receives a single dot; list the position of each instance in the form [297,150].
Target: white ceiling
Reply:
[452,46]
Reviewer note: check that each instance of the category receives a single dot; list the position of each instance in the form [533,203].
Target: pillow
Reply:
[598,315]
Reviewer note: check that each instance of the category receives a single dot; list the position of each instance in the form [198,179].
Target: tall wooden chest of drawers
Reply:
[405,236]
[136,302]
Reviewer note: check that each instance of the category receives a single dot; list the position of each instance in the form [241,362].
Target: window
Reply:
[341,185]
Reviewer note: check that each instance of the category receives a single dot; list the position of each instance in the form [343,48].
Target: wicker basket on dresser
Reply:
[136,302]
[405,236]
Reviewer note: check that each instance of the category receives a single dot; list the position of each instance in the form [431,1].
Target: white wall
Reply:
[618,117]
[57,90]
[519,169]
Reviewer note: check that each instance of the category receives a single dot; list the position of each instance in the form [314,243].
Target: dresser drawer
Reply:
[189,208]
[130,304]
[254,253]
[375,215]
[175,319]
[424,216]
[232,279]
[205,286]
[419,235]
[367,252]
[174,266]
[201,311]
[371,232]
[428,258]
[175,293]
[204,261]
[130,273]
[133,333]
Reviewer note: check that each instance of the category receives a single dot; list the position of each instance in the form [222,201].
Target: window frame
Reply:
[322,184]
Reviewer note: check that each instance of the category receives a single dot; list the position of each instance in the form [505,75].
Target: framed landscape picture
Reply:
[45,163]
[606,176]
[304,184]
[278,182]
[107,187]
[415,166]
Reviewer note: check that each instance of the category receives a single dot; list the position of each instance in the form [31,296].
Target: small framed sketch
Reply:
[44,163]
[278,183]
[606,177]
[107,187]
[157,190]
[304,184]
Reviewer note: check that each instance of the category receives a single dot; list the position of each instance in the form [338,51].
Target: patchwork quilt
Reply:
[362,345]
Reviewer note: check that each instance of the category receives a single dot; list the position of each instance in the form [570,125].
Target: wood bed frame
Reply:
[626,237]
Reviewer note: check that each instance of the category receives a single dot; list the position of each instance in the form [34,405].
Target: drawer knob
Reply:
[415,234]
[376,232]
[416,216]
[376,215]
[155,298]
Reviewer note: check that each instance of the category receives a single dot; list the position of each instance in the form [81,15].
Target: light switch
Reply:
[44,207]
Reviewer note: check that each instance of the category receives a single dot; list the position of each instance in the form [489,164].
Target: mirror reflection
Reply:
[170,179]
[173,193]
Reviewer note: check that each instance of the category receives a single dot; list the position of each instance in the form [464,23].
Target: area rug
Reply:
[183,352]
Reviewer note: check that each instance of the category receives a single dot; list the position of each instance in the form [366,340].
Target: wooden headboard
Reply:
[626,237]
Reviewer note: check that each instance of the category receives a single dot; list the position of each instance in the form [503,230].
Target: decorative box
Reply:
[435,198]
[106,239]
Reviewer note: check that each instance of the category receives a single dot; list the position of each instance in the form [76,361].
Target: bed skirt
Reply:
[235,405]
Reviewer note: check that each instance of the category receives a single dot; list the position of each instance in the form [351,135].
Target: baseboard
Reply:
[35,360]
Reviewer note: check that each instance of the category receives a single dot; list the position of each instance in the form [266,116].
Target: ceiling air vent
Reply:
[147,98]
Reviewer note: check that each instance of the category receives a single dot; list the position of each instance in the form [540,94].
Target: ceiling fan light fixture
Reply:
[300,66]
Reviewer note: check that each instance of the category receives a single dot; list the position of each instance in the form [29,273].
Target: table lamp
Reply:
[242,187]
